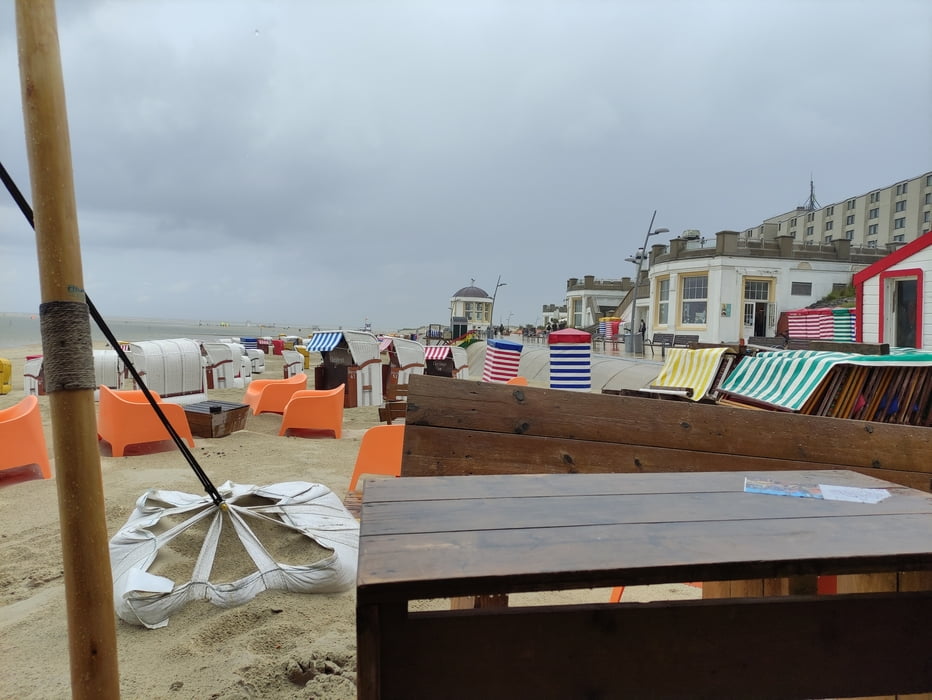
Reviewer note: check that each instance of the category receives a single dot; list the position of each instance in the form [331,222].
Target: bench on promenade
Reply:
[661,340]
[761,341]
[684,340]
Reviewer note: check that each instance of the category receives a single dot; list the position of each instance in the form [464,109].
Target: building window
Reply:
[872,230]
[925,215]
[758,290]
[873,213]
[928,180]
[793,220]
[849,234]
[849,219]
[828,239]
[899,223]
[872,244]
[695,294]
[829,211]
[875,197]
[851,203]
[829,225]
[899,238]
[663,301]
[928,198]
[901,189]
[801,289]
[901,205]
[809,230]
[810,216]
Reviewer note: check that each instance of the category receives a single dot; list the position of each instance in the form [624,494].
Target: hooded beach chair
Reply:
[272,395]
[127,418]
[380,452]
[23,441]
[314,411]
[692,374]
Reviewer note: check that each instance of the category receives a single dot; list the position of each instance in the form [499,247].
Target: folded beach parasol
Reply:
[311,511]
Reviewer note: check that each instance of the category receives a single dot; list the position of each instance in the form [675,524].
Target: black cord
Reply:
[108,334]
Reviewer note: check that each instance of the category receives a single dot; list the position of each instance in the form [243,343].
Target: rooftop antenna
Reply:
[812,203]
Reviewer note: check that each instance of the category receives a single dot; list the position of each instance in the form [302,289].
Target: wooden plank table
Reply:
[424,538]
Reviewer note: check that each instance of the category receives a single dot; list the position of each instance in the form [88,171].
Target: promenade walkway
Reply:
[612,367]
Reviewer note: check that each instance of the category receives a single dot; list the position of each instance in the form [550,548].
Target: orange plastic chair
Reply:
[23,441]
[272,395]
[314,410]
[519,380]
[379,452]
[126,418]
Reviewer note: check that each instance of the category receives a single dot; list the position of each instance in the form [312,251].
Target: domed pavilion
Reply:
[470,309]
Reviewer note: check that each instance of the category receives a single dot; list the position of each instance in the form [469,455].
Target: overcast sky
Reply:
[323,162]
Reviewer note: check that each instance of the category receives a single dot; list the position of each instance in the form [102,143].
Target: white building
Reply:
[590,299]
[470,309]
[894,297]
[733,288]
[898,213]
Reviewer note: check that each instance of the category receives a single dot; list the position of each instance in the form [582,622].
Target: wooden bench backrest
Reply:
[457,427]
[662,339]
[682,341]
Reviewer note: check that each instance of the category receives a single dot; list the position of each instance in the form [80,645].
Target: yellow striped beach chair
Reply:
[692,374]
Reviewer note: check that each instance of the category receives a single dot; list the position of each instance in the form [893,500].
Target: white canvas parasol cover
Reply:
[313,510]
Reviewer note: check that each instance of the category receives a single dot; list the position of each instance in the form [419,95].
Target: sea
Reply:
[19,329]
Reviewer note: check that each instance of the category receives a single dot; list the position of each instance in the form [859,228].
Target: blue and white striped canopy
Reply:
[324,342]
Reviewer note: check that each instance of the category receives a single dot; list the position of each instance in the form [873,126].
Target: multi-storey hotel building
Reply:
[898,213]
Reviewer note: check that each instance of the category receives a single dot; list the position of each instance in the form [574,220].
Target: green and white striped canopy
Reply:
[786,378]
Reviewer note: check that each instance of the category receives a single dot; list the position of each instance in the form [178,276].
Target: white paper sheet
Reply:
[853,494]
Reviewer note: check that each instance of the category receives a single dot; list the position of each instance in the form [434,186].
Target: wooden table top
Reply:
[449,536]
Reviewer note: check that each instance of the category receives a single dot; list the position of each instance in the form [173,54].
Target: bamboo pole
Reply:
[68,353]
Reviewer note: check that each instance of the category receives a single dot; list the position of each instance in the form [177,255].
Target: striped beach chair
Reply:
[570,360]
[692,374]
[502,358]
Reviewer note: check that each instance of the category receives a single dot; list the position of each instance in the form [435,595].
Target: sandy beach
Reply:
[279,645]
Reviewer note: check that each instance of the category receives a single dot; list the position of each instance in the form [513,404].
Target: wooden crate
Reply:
[216,418]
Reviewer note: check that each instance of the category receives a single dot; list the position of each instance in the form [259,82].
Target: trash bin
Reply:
[634,343]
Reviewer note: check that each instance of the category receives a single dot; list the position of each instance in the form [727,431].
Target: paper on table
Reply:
[826,492]
[780,488]
[851,493]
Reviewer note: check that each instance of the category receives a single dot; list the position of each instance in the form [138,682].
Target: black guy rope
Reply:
[208,485]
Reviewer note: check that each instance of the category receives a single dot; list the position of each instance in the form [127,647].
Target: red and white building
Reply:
[894,297]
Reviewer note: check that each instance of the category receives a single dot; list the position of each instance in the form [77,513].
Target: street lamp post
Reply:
[651,231]
[498,284]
